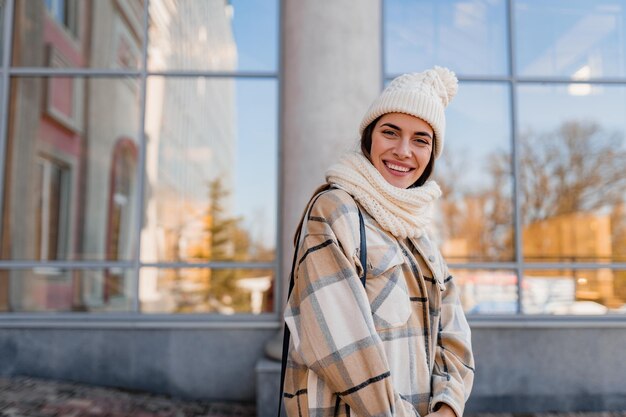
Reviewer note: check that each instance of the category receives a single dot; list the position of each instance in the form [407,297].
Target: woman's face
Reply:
[401,148]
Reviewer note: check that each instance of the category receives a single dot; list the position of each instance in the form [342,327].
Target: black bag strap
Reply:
[287,334]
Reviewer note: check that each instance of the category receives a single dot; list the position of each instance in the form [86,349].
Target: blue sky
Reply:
[255,26]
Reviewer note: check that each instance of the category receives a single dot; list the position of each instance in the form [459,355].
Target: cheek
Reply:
[377,150]
[423,156]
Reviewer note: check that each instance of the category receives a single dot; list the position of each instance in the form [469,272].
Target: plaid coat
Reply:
[398,347]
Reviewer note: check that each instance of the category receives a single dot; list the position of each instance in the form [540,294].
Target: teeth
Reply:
[396,167]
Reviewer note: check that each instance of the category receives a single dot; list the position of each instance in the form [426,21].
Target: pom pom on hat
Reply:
[421,94]
[450,83]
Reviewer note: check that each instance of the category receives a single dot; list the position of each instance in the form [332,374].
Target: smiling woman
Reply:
[370,290]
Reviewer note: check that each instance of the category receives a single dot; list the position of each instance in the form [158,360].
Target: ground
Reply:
[32,397]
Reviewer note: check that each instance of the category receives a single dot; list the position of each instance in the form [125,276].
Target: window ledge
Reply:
[546,321]
[137,321]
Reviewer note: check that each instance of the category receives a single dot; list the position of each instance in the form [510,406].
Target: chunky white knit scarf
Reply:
[402,212]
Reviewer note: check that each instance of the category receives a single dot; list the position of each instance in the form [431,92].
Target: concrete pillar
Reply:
[331,74]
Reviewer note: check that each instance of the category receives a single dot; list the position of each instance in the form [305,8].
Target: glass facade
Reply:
[469,36]
[574,39]
[532,219]
[63,200]
[64,290]
[139,168]
[66,34]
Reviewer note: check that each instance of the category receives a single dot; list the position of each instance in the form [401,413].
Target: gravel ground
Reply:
[31,397]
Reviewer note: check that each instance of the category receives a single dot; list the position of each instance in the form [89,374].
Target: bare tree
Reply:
[577,168]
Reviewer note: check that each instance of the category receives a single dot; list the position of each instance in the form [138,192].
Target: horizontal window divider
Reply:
[546,321]
[574,265]
[103,72]
[565,80]
[84,72]
[532,80]
[538,266]
[470,78]
[483,265]
[66,264]
[8,264]
[213,265]
[131,264]
[138,321]
[214,74]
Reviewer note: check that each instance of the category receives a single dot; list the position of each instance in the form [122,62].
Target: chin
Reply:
[400,184]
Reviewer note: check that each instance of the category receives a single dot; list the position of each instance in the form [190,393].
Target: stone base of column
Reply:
[267,388]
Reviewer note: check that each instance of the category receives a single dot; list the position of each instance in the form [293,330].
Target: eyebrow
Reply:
[416,133]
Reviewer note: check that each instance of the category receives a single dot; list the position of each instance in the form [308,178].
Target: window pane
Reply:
[71,169]
[213,35]
[569,291]
[475,213]
[572,175]
[63,290]
[78,33]
[211,170]
[487,292]
[468,36]
[205,290]
[572,38]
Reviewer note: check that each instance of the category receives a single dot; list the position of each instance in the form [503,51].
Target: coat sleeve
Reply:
[330,320]
[453,374]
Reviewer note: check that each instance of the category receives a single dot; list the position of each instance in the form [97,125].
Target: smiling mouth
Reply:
[397,168]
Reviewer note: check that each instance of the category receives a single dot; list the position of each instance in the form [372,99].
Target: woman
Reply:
[400,346]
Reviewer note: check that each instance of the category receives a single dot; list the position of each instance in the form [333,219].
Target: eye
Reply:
[389,132]
[421,141]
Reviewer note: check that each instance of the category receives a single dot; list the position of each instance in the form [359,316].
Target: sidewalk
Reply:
[31,397]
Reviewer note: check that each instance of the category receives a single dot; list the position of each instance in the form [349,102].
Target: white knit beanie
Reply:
[420,94]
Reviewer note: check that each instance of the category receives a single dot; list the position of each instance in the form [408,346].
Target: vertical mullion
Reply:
[141,178]
[5,81]
[515,149]
[278,261]
[382,45]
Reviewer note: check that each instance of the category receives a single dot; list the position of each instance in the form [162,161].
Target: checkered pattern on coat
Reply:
[398,347]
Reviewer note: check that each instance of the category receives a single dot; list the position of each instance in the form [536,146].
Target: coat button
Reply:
[431,258]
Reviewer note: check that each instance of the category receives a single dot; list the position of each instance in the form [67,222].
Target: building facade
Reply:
[156,156]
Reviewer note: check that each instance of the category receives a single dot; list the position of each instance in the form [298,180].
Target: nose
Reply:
[402,149]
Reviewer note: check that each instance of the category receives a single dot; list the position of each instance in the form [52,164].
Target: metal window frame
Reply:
[135,318]
[518,265]
[4,103]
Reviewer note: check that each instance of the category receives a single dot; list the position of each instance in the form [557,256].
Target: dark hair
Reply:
[366,148]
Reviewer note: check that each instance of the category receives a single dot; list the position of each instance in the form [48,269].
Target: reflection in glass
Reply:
[467,36]
[487,292]
[213,35]
[204,290]
[475,212]
[572,177]
[78,33]
[577,39]
[211,169]
[63,290]
[570,291]
[71,167]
